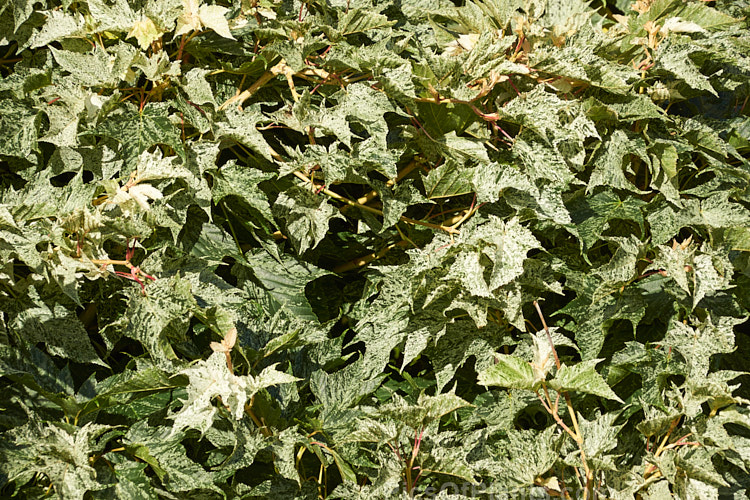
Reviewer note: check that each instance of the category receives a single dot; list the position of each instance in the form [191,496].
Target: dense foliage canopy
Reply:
[374,249]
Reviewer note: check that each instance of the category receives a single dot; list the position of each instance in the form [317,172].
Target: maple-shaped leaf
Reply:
[211,378]
[196,16]
[145,31]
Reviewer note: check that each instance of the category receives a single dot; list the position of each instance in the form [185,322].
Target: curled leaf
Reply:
[145,31]
[227,343]
[196,16]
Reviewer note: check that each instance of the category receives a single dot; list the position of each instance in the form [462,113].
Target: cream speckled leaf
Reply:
[212,378]
[675,57]
[145,31]
[447,180]
[116,15]
[306,216]
[369,196]
[59,25]
[583,377]
[510,372]
[62,453]
[138,130]
[212,16]
[195,16]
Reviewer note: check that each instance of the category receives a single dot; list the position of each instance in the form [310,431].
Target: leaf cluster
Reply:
[293,248]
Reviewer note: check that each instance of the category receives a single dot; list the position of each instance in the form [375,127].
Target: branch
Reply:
[281,68]
[403,173]
[352,203]
[578,435]
[248,93]
[549,336]
[366,259]
[473,208]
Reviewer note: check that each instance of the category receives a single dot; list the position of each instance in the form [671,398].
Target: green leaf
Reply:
[19,123]
[442,404]
[698,344]
[510,372]
[306,217]
[197,87]
[600,440]
[490,181]
[240,126]
[579,60]
[448,180]
[524,455]
[675,58]
[137,131]
[696,464]
[552,119]
[374,431]
[160,316]
[358,105]
[441,119]
[703,15]
[233,180]
[426,410]
[612,161]
[583,377]
[505,244]
[59,328]
[92,69]
[114,16]
[212,378]
[60,452]
[345,471]
[360,20]
[132,481]
[462,149]
[343,388]
[285,282]
[166,456]
[396,201]
[716,211]
[593,215]
[397,82]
